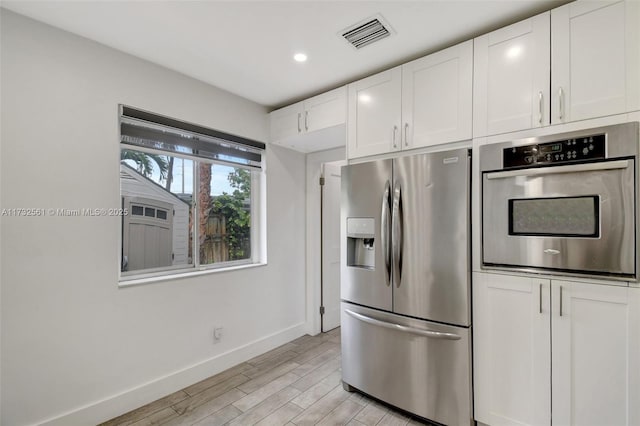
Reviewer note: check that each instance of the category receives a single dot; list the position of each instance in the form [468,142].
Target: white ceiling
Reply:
[246,47]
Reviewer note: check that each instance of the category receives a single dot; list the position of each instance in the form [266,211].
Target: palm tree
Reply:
[169,174]
[204,201]
[144,162]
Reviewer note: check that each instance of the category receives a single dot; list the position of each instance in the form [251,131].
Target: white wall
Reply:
[73,343]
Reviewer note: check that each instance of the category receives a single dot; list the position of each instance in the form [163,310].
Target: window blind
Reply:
[144,129]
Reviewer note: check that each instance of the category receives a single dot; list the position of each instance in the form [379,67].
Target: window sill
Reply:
[130,282]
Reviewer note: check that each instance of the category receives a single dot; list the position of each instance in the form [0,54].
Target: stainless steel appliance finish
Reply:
[431,235]
[367,186]
[406,316]
[574,215]
[419,366]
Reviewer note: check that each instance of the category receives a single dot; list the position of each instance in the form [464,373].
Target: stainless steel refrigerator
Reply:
[405,283]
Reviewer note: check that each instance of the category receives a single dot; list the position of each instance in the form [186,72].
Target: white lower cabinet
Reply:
[595,358]
[512,350]
[549,346]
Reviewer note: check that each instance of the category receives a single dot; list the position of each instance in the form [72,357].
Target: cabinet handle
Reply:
[540,106]
[406,137]
[561,103]
[306,120]
[395,130]
[540,309]
[299,116]
[560,300]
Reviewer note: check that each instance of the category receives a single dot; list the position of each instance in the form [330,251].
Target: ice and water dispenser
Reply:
[360,242]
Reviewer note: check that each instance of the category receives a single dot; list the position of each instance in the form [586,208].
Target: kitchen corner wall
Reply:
[75,347]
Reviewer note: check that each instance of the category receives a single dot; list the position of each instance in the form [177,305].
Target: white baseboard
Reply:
[131,399]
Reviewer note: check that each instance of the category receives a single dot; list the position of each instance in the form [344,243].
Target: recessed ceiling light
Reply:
[300,57]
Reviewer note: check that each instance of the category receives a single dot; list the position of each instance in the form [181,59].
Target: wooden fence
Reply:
[216,247]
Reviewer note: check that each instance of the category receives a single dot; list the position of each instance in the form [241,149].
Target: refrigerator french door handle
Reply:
[424,333]
[385,228]
[396,233]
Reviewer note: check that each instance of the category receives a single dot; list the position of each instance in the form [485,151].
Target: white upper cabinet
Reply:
[325,110]
[436,97]
[511,77]
[595,53]
[285,122]
[422,103]
[312,125]
[586,52]
[374,114]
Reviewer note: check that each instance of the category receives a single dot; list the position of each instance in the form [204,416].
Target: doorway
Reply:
[316,164]
[330,245]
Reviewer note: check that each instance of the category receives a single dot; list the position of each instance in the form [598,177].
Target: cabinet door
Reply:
[511,77]
[596,361]
[436,97]
[286,123]
[594,57]
[326,110]
[374,114]
[512,370]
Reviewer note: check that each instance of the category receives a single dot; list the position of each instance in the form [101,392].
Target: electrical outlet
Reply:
[217,334]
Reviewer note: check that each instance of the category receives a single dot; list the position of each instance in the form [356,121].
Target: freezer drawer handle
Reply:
[403,328]
[609,165]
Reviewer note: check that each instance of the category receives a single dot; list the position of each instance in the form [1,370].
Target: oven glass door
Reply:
[577,218]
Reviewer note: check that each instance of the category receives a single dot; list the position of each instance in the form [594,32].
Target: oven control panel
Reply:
[557,152]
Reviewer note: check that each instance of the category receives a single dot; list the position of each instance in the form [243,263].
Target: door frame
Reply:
[313,234]
[322,239]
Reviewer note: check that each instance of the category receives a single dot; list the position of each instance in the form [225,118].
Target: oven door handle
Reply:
[608,165]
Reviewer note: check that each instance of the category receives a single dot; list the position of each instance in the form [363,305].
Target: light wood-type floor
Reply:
[295,384]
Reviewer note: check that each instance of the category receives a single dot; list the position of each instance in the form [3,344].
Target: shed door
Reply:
[147,234]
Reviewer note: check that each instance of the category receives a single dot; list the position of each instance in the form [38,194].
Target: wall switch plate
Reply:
[217,334]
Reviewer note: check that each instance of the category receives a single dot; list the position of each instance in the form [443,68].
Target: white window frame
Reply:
[258,234]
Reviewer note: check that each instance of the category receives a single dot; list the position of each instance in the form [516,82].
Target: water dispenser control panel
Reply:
[360,242]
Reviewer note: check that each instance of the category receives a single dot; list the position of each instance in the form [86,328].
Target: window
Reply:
[555,216]
[191,196]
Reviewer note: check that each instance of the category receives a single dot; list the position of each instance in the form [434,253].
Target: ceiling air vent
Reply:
[367,32]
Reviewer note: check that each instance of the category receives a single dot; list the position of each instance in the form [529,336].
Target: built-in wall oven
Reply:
[563,204]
